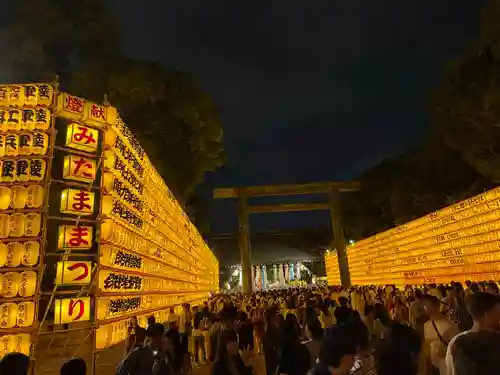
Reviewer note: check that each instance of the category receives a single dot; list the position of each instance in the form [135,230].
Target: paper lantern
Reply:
[36,196]
[8,170]
[4,197]
[11,145]
[82,137]
[103,336]
[72,310]
[79,168]
[6,345]
[40,143]
[10,284]
[8,315]
[33,224]
[107,205]
[16,96]
[70,107]
[13,118]
[27,284]
[18,197]
[22,170]
[109,159]
[37,169]
[73,273]
[42,119]
[106,229]
[77,202]
[21,343]
[15,252]
[99,115]
[110,137]
[17,225]
[25,144]
[26,314]
[2,144]
[31,253]
[75,237]
[3,254]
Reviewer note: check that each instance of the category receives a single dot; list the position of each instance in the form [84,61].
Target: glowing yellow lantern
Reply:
[40,143]
[31,252]
[77,237]
[99,115]
[109,159]
[5,345]
[42,119]
[14,254]
[108,180]
[10,284]
[18,197]
[82,137]
[79,168]
[36,195]
[37,169]
[26,314]
[4,96]
[21,343]
[11,145]
[45,96]
[25,144]
[73,273]
[3,254]
[2,144]
[70,107]
[107,230]
[8,170]
[16,96]
[29,119]
[110,137]
[33,224]
[27,284]
[107,205]
[72,310]
[14,119]
[4,197]
[8,315]
[17,225]
[103,336]
[22,170]
[77,202]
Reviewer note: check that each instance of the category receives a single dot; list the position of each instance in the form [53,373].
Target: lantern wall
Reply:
[332,268]
[457,243]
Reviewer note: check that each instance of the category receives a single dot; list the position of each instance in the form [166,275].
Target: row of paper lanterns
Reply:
[19,197]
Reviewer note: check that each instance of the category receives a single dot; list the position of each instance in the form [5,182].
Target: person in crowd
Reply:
[343,312]
[271,342]
[173,317]
[214,333]
[185,327]
[314,332]
[230,360]
[438,332]
[14,364]
[135,340]
[294,358]
[199,325]
[143,359]
[325,317]
[476,353]
[75,366]
[338,355]
[484,308]
[399,354]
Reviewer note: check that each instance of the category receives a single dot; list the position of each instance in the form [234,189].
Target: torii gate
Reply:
[332,189]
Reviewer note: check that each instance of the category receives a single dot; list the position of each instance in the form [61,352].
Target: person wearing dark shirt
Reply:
[342,312]
[294,358]
[229,360]
[271,342]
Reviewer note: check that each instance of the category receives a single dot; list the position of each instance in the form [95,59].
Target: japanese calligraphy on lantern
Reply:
[22,170]
[77,202]
[24,119]
[73,273]
[82,137]
[70,107]
[24,144]
[78,237]
[99,115]
[79,168]
[75,108]
[28,95]
[72,310]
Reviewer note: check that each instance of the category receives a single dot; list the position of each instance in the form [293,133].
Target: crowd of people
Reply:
[433,329]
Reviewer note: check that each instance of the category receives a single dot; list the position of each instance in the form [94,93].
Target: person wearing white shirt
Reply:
[485,310]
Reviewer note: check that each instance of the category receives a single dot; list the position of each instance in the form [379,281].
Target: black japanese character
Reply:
[38,140]
[3,92]
[12,119]
[2,117]
[22,167]
[30,91]
[28,115]
[43,91]
[41,115]
[8,168]
[36,167]
[11,142]
[24,141]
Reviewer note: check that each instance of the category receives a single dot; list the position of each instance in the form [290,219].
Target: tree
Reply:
[174,120]
[466,108]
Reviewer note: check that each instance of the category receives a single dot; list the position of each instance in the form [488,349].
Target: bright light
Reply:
[351,241]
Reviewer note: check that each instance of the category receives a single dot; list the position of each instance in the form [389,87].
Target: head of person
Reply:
[140,336]
[172,310]
[133,321]
[400,353]
[339,350]
[484,308]
[75,366]
[151,320]
[476,353]
[14,364]
[228,346]
[432,305]
[492,287]
[155,334]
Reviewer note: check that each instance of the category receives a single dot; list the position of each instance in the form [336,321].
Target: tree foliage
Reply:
[466,108]
[174,120]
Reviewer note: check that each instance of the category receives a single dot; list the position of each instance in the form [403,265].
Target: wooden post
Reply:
[339,237]
[244,243]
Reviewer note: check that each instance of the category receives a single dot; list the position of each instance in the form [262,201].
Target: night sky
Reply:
[308,91]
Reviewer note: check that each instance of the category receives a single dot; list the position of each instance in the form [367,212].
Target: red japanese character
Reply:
[97,112]
[72,306]
[80,198]
[78,236]
[84,136]
[83,163]
[74,104]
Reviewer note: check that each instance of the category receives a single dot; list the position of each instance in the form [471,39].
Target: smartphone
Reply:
[358,364]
